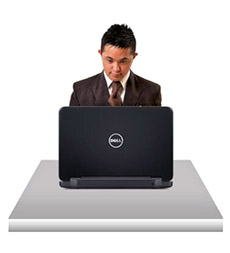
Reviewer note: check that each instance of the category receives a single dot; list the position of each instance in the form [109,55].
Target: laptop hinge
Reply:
[74,182]
[115,182]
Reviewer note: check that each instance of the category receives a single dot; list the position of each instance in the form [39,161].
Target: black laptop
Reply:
[115,147]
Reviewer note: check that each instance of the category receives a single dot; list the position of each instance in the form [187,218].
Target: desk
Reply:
[44,206]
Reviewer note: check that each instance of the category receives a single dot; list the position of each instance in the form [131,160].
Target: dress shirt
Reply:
[122,81]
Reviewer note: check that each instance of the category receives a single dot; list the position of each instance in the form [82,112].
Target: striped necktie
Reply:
[115,97]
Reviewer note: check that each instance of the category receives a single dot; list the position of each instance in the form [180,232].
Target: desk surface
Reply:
[44,206]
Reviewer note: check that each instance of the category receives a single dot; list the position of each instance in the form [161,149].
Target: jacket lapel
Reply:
[100,91]
[133,91]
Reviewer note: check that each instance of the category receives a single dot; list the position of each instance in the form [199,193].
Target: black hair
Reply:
[119,36]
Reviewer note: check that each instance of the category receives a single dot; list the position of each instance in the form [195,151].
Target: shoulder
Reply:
[150,92]
[87,82]
[146,84]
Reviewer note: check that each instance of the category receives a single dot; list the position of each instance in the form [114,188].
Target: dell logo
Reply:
[115,140]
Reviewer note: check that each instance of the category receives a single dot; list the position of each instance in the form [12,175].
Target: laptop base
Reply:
[115,182]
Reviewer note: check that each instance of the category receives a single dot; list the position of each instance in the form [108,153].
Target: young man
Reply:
[116,85]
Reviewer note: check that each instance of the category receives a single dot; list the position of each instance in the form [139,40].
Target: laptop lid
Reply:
[115,142]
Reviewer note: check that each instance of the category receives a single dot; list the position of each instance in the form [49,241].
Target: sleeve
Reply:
[158,97]
[73,100]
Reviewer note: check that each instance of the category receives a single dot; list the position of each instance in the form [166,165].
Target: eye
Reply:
[110,60]
[124,61]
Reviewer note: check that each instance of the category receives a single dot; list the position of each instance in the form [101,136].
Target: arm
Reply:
[158,98]
[73,100]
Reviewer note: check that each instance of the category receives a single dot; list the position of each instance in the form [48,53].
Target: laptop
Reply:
[115,147]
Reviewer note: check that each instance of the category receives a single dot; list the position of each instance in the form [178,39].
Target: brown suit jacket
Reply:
[93,91]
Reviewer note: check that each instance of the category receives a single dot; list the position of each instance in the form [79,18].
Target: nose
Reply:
[116,67]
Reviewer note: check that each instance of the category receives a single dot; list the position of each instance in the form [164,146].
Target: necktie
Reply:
[115,97]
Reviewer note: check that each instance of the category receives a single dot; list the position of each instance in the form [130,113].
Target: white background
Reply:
[48,45]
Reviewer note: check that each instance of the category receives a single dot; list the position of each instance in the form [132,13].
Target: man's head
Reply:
[118,49]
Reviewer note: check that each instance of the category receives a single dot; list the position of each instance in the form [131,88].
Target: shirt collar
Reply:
[123,81]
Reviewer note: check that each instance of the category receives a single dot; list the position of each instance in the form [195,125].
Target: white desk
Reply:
[44,206]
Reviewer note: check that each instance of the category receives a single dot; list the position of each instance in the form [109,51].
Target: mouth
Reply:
[115,75]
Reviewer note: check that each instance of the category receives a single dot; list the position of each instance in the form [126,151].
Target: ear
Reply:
[99,51]
[134,56]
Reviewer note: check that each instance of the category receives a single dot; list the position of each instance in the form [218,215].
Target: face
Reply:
[116,61]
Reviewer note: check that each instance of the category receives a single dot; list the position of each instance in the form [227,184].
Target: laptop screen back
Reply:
[115,142]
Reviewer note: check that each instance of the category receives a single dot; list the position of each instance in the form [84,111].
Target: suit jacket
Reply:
[93,91]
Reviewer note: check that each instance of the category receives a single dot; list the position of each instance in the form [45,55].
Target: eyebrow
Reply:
[125,58]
